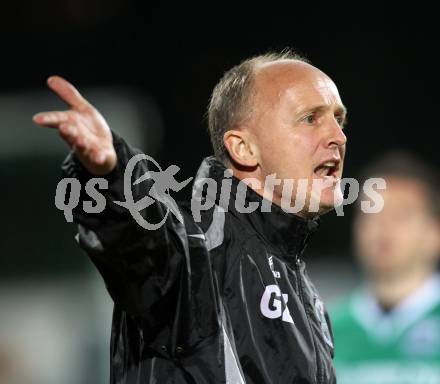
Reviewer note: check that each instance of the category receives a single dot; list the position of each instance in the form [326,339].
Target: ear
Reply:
[241,148]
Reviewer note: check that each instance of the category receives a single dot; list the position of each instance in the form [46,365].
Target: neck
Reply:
[391,290]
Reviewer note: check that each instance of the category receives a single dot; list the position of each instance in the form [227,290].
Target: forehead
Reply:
[296,83]
[400,190]
[402,195]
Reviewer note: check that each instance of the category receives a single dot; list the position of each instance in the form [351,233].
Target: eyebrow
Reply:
[342,109]
[319,108]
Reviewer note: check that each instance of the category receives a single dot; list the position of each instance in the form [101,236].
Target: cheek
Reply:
[365,234]
[289,155]
[410,232]
[300,149]
[422,240]
[371,241]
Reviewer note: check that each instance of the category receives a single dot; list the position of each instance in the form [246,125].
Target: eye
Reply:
[309,119]
[340,120]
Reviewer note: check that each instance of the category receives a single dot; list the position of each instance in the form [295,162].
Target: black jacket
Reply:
[223,300]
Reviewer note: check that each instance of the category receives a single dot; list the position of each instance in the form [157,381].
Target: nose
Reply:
[336,136]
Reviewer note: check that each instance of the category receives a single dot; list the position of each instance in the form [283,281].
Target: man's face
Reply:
[404,237]
[297,122]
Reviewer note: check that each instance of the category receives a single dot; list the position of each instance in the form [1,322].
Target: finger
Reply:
[67,92]
[100,156]
[76,136]
[68,133]
[51,119]
[81,145]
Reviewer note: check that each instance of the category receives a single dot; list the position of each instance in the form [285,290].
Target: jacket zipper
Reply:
[319,378]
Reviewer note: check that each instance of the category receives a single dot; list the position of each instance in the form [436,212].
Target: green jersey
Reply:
[401,346]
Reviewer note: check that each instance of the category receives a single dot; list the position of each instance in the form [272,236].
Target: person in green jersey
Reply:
[388,330]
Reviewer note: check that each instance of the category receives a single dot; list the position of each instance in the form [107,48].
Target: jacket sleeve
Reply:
[141,267]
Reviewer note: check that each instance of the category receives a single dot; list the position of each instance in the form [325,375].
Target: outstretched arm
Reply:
[142,268]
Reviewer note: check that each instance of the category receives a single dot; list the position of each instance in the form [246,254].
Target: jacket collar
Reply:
[283,230]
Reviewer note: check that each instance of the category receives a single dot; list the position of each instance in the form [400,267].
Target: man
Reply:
[389,330]
[223,299]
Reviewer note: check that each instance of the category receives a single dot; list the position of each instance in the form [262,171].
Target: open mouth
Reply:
[327,169]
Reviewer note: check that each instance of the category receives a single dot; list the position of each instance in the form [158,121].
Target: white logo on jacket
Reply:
[272,303]
[276,274]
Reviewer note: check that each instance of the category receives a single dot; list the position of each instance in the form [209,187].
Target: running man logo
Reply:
[272,303]
[163,181]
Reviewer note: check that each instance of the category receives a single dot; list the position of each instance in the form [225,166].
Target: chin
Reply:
[328,200]
[331,198]
[325,209]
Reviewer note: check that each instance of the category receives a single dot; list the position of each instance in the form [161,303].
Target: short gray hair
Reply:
[230,102]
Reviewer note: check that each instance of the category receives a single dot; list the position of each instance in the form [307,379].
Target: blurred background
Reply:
[150,70]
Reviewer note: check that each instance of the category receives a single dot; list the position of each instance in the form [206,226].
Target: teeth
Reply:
[323,171]
[326,168]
